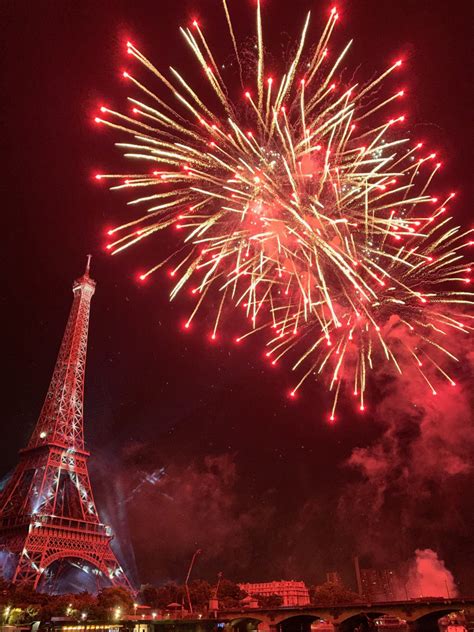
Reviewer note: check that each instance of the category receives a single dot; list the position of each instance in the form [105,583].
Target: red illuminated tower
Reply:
[47,510]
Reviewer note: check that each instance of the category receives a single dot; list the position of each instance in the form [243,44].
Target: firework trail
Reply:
[302,201]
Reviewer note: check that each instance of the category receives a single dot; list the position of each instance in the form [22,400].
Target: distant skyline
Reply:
[196,445]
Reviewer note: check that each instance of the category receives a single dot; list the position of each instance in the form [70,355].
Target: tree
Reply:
[269,601]
[200,592]
[115,597]
[52,606]
[16,616]
[230,594]
[161,596]
[84,603]
[330,594]
[28,605]
[148,595]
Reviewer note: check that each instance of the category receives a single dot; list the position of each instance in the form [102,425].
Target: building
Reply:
[293,593]
[378,585]
[333,577]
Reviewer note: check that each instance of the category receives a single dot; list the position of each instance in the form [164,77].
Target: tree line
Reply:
[21,605]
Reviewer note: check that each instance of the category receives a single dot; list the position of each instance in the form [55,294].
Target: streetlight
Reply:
[198,552]
[447,588]
[6,613]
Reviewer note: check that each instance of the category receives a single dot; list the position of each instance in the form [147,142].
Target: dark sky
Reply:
[256,481]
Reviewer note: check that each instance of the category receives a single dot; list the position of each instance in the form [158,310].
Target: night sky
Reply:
[195,444]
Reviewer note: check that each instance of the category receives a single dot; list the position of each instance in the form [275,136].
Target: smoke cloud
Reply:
[179,508]
[414,478]
[403,492]
[429,577]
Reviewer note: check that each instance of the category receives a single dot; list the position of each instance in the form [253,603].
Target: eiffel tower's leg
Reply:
[115,572]
[28,569]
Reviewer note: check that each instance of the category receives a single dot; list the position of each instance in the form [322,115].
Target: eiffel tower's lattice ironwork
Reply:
[47,509]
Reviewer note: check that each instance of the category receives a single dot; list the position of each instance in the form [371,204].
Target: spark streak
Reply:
[315,216]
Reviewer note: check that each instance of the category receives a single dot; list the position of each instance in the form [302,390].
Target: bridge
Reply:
[421,615]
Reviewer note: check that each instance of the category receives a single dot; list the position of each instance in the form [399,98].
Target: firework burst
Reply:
[314,215]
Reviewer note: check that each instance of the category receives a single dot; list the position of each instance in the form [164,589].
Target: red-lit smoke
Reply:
[429,577]
[413,491]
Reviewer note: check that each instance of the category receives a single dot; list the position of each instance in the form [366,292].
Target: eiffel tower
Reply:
[47,509]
